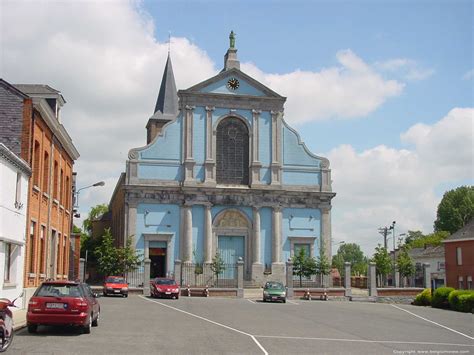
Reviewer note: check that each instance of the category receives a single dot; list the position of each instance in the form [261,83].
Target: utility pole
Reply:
[384,232]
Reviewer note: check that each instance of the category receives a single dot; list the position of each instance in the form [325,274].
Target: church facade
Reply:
[222,172]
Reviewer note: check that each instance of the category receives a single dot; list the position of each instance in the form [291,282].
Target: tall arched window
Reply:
[232,148]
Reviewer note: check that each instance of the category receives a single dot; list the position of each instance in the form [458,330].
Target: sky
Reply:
[382,89]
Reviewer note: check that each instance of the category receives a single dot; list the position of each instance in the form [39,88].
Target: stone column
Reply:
[371,280]
[240,278]
[177,271]
[146,278]
[326,230]
[188,235]
[209,163]
[82,270]
[278,267]
[257,266]
[289,279]
[347,279]
[188,145]
[426,275]
[207,234]
[397,277]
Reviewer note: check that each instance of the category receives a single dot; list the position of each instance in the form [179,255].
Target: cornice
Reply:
[13,159]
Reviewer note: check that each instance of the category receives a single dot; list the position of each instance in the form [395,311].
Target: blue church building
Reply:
[222,172]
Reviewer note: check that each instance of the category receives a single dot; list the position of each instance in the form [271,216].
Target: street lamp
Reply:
[76,196]
[392,228]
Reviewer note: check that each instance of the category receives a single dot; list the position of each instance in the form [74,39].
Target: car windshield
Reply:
[274,285]
[51,290]
[115,280]
[164,282]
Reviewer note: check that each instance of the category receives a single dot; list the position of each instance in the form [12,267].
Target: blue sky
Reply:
[384,89]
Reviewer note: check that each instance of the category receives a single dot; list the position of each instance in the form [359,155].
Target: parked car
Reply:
[115,285]
[274,291]
[63,303]
[164,287]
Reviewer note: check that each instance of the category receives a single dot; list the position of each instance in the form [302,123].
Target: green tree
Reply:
[351,253]
[128,257]
[87,242]
[432,239]
[406,267]
[95,213]
[412,236]
[303,265]
[455,209]
[323,267]
[108,258]
[383,263]
[217,266]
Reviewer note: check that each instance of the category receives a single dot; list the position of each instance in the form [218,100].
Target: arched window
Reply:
[232,148]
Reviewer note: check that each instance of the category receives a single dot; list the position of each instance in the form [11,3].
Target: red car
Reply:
[63,303]
[115,285]
[164,287]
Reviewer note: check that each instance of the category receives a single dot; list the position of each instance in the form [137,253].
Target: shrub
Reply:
[440,297]
[423,298]
[461,300]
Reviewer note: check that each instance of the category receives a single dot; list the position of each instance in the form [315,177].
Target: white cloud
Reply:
[352,89]
[382,184]
[468,75]
[407,69]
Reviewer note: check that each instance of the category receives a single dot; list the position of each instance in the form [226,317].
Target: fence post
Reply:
[371,280]
[240,278]
[82,271]
[289,279]
[146,278]
[426,275]
[347,279]
[397,276]
[177,271]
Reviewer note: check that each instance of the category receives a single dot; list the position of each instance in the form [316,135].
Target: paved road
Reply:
[139,325]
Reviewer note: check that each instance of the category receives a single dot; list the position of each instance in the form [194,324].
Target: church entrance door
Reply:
[158,262]
[231,248]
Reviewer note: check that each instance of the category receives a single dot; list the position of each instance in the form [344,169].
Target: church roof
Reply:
[167,103]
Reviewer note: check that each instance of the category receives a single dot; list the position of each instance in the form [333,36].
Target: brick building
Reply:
[459,254]
[31,125]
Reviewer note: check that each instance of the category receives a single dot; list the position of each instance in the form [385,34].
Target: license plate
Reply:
[117,291]
[167,293]
[274,298]
[55,305]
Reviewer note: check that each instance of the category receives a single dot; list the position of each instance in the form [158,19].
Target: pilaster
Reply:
[188,234]
[188,145]
[207,234]
[255,164]
[276,148]
[210,163]
[326,230]
[276,241]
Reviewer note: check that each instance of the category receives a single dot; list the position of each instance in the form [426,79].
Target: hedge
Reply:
[423,298]
[461,300]
[440,297]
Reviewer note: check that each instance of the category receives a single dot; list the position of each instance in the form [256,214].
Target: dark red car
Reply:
[164,287]
[63,303]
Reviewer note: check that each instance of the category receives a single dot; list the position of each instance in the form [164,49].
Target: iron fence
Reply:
[316,280]
[201,275]
[135,277]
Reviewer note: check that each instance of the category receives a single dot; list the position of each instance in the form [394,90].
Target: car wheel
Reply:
[32,328]
[284,300]
[87,328]
[264,300]
[126,295]
[95,322]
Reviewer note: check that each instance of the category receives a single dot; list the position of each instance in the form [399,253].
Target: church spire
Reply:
[230,58]
[166,108]
[167,102]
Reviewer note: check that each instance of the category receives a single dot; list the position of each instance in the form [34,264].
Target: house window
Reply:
[67,195]
[46,172]
[18,191]
[306,247]
[460,283]
[42,250]
[469,282]
[58,259]
[61,187]
[32,247]
[441,265]
[65,255]
[36,164]
[55,180]
[459,256]
[232,149]
[8,262]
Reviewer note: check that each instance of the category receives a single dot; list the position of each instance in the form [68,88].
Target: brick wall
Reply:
[453,270]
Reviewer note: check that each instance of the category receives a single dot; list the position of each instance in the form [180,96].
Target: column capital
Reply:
[277,208]
[256,112]
[189,107]
[210,108]
[325,208]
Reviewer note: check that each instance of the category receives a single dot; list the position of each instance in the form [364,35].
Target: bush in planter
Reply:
[440,297]
[461,300]
[423,298]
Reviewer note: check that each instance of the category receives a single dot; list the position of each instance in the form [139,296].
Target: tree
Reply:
[108,261]
[432,239]
[351,253]
[412,236]
[455,209]
[406,267]
[303,265]
[128,257]
[323,267]
[87,242]
[95,213]
[383,263]
[217,266]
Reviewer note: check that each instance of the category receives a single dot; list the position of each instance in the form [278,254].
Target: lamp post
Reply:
[76,214]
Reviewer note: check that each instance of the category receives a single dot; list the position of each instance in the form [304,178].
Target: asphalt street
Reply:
[139,325]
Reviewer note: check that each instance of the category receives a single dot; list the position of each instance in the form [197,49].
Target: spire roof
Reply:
[167,102]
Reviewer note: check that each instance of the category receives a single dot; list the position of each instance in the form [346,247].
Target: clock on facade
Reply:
[233,83]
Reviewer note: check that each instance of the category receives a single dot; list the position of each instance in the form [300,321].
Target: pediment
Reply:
[247,86]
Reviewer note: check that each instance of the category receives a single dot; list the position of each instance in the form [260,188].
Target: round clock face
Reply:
[233,84]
